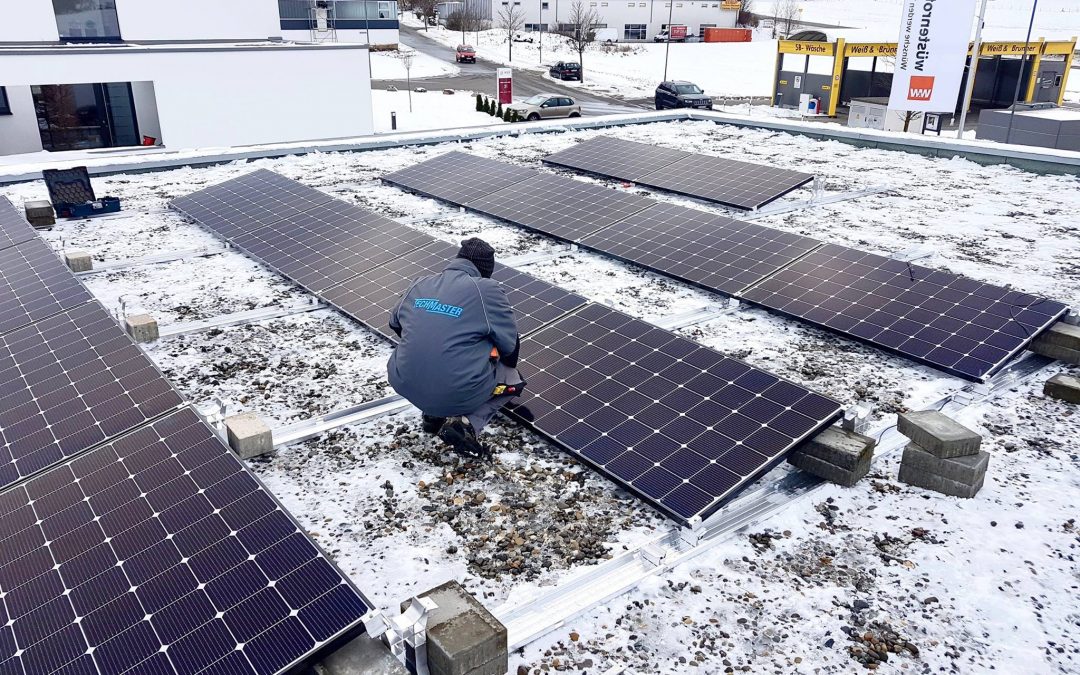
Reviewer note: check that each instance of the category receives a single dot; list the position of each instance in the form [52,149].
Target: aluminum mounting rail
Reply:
[169,256]
[237,318]
[788,207]
[529,619]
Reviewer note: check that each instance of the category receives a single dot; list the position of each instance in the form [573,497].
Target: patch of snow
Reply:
[430,110]
[389,65]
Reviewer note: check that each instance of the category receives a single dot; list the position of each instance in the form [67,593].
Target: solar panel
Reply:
[34,284]
[742,185]
[681,425]
[714,252]
[561,207]
[330,244]
[160,553]
[370,297]
[535,302]
[959,325]
[607,156]
[13,226]
[69,382]
[459,177]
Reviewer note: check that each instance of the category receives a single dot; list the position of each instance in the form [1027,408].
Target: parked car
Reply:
[466,54]
[681,94]
[606,36]
[523,37]
[566,70]
[544,106]
[809,36]
[671,34]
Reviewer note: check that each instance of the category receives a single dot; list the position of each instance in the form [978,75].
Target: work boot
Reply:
[431,425]
[459,434]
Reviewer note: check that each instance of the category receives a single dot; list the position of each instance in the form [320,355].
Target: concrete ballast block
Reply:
[463,637]
[968,470]
[248,435]
[1060,334]
[839,456]
[141,327]
[938,434]
[1064,387]
[827,471]
[362,656]
[1052,351]
[78,261]
[930,481]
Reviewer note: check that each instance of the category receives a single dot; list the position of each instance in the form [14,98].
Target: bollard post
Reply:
[393,121]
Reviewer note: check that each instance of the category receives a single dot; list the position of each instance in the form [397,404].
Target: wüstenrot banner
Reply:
[931,54]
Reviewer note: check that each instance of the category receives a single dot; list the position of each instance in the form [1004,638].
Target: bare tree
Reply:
[581,30]
[747,17]
[786,14]
[425,9]
[511,18]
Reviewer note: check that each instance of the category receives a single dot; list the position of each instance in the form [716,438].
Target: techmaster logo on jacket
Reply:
[433,306]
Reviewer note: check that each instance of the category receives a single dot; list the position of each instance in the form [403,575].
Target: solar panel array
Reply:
[742,185]
[13,227]
[587,366]
[879,301]
[131,539]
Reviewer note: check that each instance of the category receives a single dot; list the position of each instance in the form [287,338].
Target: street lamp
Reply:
[407,60]
[667,43]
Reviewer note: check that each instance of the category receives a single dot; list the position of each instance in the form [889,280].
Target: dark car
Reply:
[466,54]
[681,94]
[809,36]
[566,70]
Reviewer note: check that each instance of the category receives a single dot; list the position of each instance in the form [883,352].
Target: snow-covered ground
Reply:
[390,65]
[989,583]
[430,110]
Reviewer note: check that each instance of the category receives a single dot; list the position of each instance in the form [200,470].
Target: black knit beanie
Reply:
[479,253]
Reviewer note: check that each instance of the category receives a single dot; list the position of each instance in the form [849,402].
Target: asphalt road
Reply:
[480,77]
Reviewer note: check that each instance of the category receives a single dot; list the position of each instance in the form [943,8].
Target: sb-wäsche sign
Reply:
[931,54]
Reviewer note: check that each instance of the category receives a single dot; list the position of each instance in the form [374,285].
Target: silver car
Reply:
[545,106]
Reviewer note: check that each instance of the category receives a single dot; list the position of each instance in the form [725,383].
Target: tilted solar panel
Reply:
[607,156]
[35,284]
[714,252]
[159,553]
[69,382]
[959,325]
[680,424]
[560,206]
[459,177]
[14,229]
[535,302]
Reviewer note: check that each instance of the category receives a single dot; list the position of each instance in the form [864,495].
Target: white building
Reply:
[373,22]
[85,74]
[630,21]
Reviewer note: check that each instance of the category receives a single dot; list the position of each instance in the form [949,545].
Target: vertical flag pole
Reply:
[973,70]
[1020,76]
[667,46]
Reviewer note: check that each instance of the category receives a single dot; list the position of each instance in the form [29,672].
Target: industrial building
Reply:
[131,73]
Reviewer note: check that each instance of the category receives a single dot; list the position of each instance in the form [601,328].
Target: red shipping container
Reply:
[728,35]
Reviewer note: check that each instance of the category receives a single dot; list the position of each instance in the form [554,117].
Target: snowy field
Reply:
[389,65]
[430,110]
[972,586]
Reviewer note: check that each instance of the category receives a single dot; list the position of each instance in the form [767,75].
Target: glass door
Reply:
[85,116]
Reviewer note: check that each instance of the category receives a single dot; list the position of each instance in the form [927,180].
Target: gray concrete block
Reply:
[463,637]
[362,656]
[828,471]
[40,213]
[845,449]
[938,434]
[930,481]
[1061,334]
[1057,352]
[968,470]
[141,327]
[248,435]
[78,261]
[1063,387]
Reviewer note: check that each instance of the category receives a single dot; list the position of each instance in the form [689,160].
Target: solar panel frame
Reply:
[932,317]
[680,425]
[35,284]
[459,177]
[160,552]
[560,207]
[14,228]
[68,383]
[713,252]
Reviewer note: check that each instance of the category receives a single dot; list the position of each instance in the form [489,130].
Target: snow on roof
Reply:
[400,514]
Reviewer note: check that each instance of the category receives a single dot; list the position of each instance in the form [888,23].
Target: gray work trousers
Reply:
[480,417]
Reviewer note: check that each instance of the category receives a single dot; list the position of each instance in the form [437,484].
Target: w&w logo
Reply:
[921,88]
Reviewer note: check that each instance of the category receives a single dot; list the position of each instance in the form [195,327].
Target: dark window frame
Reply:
[5,104]
[88,39]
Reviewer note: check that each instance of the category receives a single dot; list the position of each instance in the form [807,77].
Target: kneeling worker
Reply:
[458,354]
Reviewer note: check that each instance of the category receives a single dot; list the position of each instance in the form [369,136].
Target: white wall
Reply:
[27,21]
[379,36]
[195,19]
[225,97]
[617,13]
[19,130]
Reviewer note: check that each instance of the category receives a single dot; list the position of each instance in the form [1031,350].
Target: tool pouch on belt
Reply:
[509,389]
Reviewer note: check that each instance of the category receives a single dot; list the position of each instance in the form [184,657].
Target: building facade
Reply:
[373,22]
[626,20]
[89,74]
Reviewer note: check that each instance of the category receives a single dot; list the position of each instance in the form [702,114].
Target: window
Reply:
[530,27]
[5,107]
[603,4]
[86,116]
[702,27]
[87,20]
[634,31]
[543,5]
[641,4]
